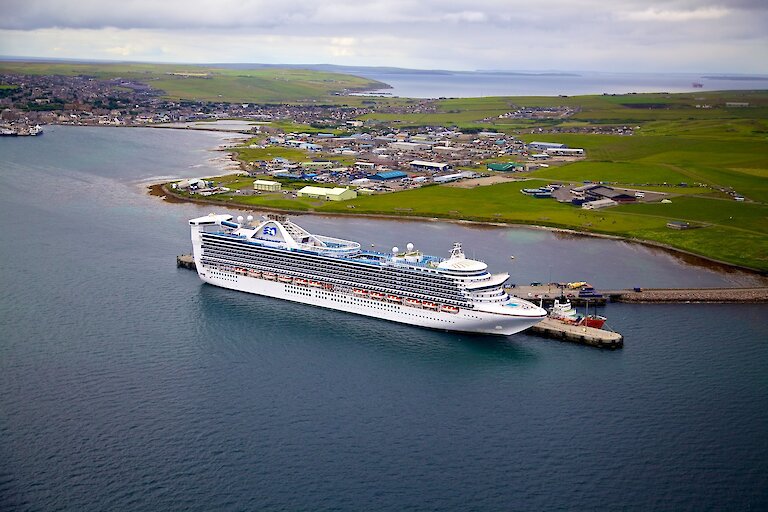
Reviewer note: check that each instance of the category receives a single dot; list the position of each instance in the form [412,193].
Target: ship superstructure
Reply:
[277,258]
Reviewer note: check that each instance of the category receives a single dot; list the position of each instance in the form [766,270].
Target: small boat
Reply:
[429,305]
[271,276]
[413,302]
[447,308]
[254,273]
[300,281]
[394,298]
[316,284]
[285,279]
[564,312]
[377,295]
[360,292]
[595,321]
[328,286]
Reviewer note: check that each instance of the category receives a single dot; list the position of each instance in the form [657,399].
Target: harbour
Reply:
[129,384]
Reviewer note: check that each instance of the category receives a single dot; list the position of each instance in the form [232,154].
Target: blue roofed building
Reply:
[388,175]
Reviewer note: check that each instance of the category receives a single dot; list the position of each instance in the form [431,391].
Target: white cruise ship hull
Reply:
[465,320]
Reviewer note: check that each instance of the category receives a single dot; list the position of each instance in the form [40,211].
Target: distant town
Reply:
[681,170]
[27,100]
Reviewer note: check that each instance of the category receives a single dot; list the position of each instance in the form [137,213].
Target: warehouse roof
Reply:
[388,175]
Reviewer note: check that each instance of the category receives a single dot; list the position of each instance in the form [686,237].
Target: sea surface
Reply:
[127,384]
[450,84]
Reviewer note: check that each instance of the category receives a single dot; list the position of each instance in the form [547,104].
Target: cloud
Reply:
[466,16]
[447,34]
[652,14]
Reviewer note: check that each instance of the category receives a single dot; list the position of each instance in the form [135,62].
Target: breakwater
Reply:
[547,294]
[672,295]
[146,389]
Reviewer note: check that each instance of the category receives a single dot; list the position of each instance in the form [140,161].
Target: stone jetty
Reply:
[693,295]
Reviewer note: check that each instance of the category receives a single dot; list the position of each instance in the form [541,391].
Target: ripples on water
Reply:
[129,385]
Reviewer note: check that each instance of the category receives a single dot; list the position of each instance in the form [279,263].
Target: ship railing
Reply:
[336,248]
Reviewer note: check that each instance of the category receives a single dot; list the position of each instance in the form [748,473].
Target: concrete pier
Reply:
[600,338]
[547,294]
[185,261]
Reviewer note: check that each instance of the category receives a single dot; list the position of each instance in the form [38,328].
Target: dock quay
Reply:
[185,261]
[600,338]
[547,294]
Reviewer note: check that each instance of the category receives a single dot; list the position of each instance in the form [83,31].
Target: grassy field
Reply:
[626,109]
[730,160]
[268,153]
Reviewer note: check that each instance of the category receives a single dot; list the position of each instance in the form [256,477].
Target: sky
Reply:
[568,35]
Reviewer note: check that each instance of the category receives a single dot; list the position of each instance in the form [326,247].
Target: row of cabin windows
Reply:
[319,269]
[397,288]
[244,250]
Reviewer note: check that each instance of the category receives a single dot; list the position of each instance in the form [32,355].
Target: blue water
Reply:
[420,84]
[129,385]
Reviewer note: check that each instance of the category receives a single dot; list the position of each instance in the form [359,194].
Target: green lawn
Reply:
[728,161]
[268,153]
[635,173]
[751,217]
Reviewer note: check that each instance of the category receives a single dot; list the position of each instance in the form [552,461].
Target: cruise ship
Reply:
[276,258]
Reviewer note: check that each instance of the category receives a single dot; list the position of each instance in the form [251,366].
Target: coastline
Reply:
[161,191]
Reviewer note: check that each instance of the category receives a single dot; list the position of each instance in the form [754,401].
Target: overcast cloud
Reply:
[618,35]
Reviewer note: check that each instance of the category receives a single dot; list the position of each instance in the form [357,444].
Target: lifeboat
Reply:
[300,281]
[413,302]
[254,273]
[429,305]
[377,295]
[445,308]
[285,279]
[360,292]
[328,286]
[316,284]
[394,298]
[271,276]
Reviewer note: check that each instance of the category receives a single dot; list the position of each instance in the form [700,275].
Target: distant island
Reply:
[736,77]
